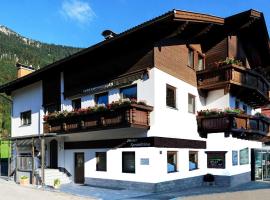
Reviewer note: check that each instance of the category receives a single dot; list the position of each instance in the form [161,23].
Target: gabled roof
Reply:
[170,17]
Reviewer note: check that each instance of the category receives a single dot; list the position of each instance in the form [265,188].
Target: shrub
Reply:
[208,178]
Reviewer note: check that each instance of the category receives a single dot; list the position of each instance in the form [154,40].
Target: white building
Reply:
[170,68]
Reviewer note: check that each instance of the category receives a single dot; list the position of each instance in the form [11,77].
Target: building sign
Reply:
[138,143]
[144,161]
[114,83]
[244,156]
[216,159]
[234,158]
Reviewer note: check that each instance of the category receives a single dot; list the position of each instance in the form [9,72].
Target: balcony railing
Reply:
[239,125]
[242,82]
[132,115]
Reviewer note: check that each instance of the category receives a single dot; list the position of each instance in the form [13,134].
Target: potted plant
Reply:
[209,179]
[56,183]
[24,180]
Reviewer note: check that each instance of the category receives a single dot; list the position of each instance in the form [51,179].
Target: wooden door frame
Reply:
[54,155]
[83,173]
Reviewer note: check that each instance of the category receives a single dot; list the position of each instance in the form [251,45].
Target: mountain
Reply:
[17,48]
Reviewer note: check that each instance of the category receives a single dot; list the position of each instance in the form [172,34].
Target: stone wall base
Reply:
[179,184]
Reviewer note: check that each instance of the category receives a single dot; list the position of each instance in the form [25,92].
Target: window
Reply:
[101,161]
[191,103]
[128,162]
[200,63]
[216,159]
[102,98]
[237,104]
[129,92]
[51,108]
[26,118]
[171,161]
[191,58]
[171,96]
[245,108]
[193,160]
[244,156]
[76,104]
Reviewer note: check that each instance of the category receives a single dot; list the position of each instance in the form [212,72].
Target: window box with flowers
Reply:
[123,113]
[234,122]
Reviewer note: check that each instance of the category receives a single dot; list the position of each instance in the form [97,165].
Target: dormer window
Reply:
[102,98]
[76,104]
[191,58]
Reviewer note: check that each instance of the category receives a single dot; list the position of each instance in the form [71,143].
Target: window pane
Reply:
[128,162]
[190,58]
[200,63]
[171,161]
[129,92]
[102,98]
[171,96]
[26,118]
[101,159]
[76,104]
[193,160]
[191,103]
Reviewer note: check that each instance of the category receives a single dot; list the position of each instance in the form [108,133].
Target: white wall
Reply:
[170,122]
[155,172]
[24,99]
[217,142]
[144,92]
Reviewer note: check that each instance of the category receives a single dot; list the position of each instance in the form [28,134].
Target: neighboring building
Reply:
[169,67]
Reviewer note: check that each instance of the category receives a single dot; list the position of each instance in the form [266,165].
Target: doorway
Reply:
[53,154]
[79,168]
[261,164]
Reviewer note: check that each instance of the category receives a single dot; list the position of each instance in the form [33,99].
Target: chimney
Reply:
[108,34]
[23,70]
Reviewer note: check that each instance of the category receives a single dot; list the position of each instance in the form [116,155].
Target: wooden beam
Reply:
[204,30]
[42,160]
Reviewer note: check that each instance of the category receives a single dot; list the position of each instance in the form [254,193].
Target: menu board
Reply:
[216,159]
[244,156]
[234,158]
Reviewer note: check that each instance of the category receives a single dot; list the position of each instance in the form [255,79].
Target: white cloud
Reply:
[78,11]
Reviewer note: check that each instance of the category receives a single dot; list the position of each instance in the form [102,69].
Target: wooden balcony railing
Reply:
[239,125]
[133,115]
[242,82]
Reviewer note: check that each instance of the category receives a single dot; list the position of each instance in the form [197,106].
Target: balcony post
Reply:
[33,161]
[42,160]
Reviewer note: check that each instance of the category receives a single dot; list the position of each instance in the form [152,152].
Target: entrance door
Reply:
[79,168]
[53,154]
[261,163]
[266,166]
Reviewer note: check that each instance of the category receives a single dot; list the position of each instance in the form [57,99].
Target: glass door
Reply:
[266,166]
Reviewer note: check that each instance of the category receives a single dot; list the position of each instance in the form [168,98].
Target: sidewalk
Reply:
[258,189]
[11,191]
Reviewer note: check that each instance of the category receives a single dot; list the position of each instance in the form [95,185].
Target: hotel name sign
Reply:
[114,83]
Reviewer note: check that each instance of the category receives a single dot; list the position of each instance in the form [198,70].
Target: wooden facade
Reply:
[247,85]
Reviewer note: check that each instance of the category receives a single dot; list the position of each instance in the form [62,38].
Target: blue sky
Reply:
[80,22]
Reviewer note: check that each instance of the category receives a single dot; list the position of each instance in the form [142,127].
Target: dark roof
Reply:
[173,15]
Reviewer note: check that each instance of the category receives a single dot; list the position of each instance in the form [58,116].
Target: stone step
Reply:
[52,174]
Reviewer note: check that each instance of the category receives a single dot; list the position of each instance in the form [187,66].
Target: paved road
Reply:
[240,195]
[249,191]
[11,191]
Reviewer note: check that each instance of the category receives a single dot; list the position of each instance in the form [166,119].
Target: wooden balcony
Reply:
[245,84]
[238,125]
[133,115]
